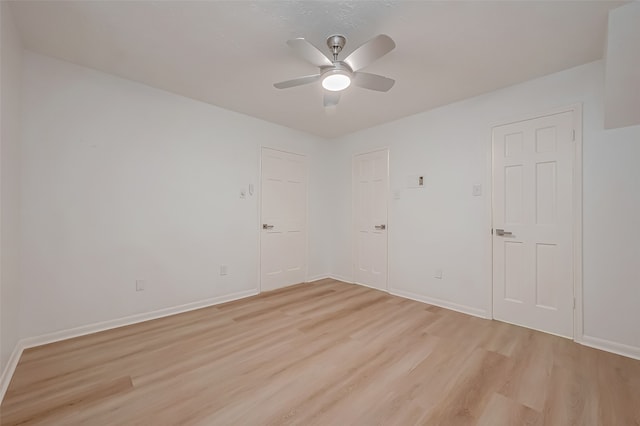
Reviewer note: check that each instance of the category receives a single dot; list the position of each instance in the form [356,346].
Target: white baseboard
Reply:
[331,276]
[386,290]
[10,368]
[132,319]
[341,278]
[318,278]
[57,336]
[21,345]
[469,310]
[609,346]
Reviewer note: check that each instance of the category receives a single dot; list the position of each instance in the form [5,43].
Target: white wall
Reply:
[622,79]
[122,182]
[612,236]
[444,226]
[10,87]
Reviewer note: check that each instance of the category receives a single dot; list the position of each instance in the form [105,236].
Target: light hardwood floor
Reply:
[326,353]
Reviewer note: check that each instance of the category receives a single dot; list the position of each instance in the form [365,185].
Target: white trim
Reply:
[609,346]
[386,290]
[578,318]
[576,109]
[387,151]
[10,368]
[133,319]
[469,310]
[57,336]
[341,278]
[317,278]
[259,221]
[330,276]
[489,207]
[538,114]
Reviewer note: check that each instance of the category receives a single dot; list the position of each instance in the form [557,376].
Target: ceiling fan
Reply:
[338,75]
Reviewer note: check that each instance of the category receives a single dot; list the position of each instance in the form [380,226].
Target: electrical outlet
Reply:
[438,274]
[224,270]
[140,285]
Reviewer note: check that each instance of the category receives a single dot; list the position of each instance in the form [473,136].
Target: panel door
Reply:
[370,194]
[533,223]
[283,242]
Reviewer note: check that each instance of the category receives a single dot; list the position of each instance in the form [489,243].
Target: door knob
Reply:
[502,232]
[265,226]
[383,226]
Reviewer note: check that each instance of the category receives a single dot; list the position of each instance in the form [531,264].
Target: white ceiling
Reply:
[229,53]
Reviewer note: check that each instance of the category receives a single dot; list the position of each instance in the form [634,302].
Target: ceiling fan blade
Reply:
[331,99]
[297,81]
[309,52]
[373,81]
[374,49]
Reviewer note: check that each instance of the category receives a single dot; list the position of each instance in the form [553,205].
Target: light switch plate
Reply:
[477,190]
[416,181]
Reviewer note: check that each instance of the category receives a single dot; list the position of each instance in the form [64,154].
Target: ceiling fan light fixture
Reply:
[337,75]
[336,81]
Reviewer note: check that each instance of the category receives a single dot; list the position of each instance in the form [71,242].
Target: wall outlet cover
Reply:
[140,285]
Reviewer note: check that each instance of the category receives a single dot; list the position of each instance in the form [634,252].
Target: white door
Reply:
[370,193]
[533,223]
[283,242]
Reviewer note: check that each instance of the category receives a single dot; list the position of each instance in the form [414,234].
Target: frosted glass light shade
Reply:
[336,82]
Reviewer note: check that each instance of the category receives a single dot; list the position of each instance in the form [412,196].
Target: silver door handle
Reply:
[265,226]
[381,226]
[502,232]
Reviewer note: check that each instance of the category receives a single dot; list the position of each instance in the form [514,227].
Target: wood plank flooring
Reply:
[326,353]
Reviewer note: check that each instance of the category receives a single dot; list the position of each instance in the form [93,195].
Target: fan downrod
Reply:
[336,43]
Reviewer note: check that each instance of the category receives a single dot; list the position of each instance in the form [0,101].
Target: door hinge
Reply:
[491,231]
[574,303]
[573,135]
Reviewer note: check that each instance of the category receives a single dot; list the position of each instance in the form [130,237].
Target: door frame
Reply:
[306,217]
[353,215]
[576,110]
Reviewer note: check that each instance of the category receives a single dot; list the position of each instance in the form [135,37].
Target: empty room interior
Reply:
[320,213]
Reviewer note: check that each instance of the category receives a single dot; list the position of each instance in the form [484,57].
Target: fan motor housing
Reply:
[336,43]
[337,66]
